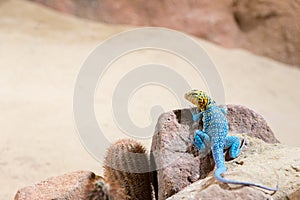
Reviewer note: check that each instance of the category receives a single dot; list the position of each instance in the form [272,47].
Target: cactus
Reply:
[126,163]
[102,189]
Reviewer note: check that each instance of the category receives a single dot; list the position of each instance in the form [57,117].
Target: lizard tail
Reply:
[222,170]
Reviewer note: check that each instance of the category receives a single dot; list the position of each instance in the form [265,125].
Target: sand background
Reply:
[41,53]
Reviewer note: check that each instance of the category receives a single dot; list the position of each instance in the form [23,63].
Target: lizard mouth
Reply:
[190,98]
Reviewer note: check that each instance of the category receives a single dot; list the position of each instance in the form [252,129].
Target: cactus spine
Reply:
[126,164]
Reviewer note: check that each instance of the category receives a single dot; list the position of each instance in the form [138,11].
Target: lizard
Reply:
[214,135]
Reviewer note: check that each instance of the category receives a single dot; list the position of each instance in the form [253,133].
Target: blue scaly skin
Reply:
[214,135]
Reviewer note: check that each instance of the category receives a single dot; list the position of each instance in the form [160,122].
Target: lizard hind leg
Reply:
[235,146]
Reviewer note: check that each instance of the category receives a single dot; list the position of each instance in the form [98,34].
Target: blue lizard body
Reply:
[214,135]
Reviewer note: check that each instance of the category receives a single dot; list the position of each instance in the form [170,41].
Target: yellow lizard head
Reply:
[199,99]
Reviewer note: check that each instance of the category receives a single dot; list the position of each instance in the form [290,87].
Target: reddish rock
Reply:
[269,28]
[244,120]
[178,162]
[265,27]
[71,186]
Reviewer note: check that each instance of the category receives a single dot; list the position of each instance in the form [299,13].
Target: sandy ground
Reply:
[41,53]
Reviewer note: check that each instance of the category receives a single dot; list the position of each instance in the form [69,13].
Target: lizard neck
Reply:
[208,106]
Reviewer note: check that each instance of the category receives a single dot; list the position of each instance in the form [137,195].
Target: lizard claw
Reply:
[195,114]
[244,143]
[192,109]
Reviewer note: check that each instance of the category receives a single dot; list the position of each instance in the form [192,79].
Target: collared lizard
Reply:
[214,135]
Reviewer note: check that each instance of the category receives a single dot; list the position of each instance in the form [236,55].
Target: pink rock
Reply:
[178,162]
[71,186]
[265,27]
[244,120]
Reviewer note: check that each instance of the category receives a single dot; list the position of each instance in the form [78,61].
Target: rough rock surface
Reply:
[176,159]
[267,164]
[178,162]
[73,186]
[244,120]
[265,27]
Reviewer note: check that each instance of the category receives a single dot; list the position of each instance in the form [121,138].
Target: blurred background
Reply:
[255,46]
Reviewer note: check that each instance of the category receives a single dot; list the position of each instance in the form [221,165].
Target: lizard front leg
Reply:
[202,141]
[196,116]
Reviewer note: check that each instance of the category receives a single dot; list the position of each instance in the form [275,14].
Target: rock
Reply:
[217,192]
[80,185]
[267,164]
[244,120]
[175,157]
[265,27]
[73,186]
[269,28]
